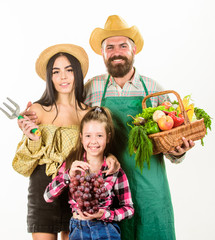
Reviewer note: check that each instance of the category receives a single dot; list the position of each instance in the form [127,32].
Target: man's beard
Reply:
[119,70]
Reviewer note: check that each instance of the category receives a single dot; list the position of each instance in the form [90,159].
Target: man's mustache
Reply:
[117,57]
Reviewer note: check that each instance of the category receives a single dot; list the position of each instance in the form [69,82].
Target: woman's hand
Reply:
[180,150]
[113,165]
[87,216]
[78,166]
[26,126]
[30,114]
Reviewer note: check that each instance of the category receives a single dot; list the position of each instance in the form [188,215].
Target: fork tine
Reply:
[9,107]
[14,103]
[14,112]
[7,114]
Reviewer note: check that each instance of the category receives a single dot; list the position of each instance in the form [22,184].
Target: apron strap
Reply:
[148,101]
[105,89]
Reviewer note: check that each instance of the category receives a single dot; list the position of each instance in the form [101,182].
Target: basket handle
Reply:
[181,105]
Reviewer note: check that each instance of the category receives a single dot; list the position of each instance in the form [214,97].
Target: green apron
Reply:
[153,218]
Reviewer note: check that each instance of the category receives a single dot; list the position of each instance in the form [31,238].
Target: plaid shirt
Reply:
[116,184]
[51,149]
[95,88]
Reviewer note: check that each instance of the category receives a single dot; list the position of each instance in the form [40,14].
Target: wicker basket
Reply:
[167,140]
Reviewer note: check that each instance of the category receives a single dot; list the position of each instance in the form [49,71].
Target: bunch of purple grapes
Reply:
[88,190]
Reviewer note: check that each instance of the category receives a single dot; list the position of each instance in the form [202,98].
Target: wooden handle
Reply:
[181,105]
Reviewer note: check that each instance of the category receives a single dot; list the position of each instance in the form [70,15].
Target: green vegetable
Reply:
[141,145]
[138,120]
[151,127]
[171,109]
[200,113]
[147,113]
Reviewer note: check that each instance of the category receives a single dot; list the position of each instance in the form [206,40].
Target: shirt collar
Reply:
[104,165]
[136,80]
[111,81]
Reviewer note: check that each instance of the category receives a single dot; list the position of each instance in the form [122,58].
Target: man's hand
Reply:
[113,165]
[180,150]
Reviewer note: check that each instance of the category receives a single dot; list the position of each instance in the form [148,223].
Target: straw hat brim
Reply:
[99,35]
[76,51]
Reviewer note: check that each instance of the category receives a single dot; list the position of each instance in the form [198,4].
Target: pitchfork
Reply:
[15,114]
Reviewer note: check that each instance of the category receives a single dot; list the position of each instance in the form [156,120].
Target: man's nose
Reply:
[117,51]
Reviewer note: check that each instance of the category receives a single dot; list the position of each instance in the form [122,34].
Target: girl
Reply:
[96,134]
[59,111]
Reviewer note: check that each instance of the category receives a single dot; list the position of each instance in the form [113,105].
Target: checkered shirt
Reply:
[51,149]
[116,184]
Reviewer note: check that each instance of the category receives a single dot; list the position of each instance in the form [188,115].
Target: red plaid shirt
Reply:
[116,184]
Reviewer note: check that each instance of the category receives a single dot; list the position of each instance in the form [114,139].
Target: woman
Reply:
[59,112]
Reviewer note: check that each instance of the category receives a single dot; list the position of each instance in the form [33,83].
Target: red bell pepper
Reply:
[177,120]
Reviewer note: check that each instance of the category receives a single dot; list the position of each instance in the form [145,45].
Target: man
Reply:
[122,91]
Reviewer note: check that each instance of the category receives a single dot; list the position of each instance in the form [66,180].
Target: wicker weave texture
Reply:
[167,140]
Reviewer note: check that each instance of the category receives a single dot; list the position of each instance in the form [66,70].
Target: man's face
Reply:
[118,54]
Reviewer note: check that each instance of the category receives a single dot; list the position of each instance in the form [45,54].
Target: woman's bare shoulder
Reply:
[38,109]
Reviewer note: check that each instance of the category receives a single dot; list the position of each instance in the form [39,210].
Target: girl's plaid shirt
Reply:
[116,184]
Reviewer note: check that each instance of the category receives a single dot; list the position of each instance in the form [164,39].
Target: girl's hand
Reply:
[87,216]
[26,126]
[78,166]
[113,165]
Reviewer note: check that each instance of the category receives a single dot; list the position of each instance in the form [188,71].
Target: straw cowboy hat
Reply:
[49,52]
[115,26]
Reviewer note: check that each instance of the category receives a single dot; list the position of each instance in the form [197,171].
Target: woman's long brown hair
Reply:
[49,96]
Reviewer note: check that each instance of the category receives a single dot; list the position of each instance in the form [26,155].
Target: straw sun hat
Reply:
[49,52]
[115,26]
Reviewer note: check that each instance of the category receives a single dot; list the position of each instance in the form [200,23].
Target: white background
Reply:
[178,52]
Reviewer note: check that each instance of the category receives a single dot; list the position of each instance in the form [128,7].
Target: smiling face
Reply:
[62,75]
[118,53]
[94,139]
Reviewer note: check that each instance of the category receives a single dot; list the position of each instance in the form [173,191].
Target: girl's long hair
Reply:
[49,96]
[102,115]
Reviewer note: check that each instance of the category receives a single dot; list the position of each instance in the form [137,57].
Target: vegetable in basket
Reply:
[141,145]
[195,113]
[139,142]
[200,113]
[177,120]
[189,107]
[153,120]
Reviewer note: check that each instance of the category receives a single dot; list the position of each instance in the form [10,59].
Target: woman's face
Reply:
[62,75]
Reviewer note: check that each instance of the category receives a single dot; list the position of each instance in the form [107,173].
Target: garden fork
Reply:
[15,114]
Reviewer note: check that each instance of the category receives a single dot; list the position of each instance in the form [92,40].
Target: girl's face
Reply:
[62,75]
[94,138]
